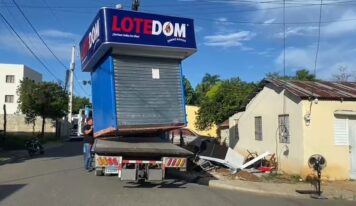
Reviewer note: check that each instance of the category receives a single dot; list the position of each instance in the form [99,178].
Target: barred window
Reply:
[283,124]
[258,128]
[10,78]
[9,98]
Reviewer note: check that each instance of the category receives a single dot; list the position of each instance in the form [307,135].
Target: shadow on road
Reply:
[62,150]
[6,190]
[173,184]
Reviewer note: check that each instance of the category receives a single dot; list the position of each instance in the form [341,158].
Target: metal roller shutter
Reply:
[148,91]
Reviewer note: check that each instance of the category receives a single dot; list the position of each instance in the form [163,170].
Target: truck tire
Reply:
[99,172]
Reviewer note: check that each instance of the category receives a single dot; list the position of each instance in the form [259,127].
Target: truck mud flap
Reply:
[128,174]
[154,174]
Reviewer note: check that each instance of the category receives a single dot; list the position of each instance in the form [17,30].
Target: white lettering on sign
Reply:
[94,33]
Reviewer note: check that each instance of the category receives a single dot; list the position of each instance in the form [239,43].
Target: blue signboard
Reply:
[113,28]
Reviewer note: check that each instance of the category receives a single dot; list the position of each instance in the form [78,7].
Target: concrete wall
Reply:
[224,135]
[191,119]
[20,72]
[269,104]
[319,138]
[16,123]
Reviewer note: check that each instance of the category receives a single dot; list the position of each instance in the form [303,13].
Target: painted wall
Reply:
[319,138]
[20,72]
[268,104]
[191,119]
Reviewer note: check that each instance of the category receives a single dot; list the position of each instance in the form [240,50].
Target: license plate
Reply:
[111,170]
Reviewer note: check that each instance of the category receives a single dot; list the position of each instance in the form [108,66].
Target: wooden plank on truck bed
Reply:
[132,146]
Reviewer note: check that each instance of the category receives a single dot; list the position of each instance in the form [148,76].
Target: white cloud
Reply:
[298,31]
[268,21]
[57,41]
[329,59]
[342,26]
[51,33]
[229,40]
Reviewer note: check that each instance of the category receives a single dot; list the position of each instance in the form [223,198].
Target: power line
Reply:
[42,40]
[38,35]
[31,51]
[318,42]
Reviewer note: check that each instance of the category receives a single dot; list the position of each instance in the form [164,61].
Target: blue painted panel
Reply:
[103,95]
[183,95]
[112,28]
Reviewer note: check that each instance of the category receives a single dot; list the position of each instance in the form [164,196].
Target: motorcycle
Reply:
[34,146]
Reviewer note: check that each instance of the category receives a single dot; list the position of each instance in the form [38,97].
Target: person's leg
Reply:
[84,155]
[87,156]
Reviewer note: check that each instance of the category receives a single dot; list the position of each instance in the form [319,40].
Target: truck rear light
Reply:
[100,162]
[109,161]
[115,161]
[105,162]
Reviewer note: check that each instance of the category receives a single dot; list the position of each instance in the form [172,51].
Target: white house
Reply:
[296,119]
[10,77]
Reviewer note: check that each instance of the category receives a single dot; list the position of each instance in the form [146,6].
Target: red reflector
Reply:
[169,162]
[115,161]
[109,161]
[174,162]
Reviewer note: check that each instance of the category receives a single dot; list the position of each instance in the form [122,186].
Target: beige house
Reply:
[191,112]
[296,119]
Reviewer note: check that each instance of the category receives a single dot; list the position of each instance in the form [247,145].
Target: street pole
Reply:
[71,74]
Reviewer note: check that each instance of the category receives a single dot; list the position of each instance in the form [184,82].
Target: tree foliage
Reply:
[188,92]
[302,74]
[221,101]
[44,99]
[79,103]
[343,75]
[202,88]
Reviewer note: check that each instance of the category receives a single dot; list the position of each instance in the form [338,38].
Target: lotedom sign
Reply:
[121,29]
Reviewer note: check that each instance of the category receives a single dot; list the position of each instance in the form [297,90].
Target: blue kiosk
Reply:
[135,63]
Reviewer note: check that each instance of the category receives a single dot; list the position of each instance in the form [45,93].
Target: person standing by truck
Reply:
[88,143]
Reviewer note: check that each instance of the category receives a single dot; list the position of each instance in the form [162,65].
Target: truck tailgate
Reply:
[138,147]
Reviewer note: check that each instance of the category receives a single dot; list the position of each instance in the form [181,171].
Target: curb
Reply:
[216,184]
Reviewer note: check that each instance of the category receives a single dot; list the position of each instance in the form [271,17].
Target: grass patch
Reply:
[281,178]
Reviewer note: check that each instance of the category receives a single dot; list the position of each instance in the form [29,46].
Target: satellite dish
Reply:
[317,162]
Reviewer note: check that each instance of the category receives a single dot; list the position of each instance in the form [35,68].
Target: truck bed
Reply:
[138,147]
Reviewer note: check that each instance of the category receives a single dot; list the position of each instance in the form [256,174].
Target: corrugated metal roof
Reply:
[224,124]
[319,89]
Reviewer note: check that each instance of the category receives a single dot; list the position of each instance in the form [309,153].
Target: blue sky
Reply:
[234,37]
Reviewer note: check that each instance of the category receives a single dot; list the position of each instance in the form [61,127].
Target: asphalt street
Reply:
[58,178]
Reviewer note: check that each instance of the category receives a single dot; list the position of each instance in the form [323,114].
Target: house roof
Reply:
[320,89]
[323,90]
[225,124]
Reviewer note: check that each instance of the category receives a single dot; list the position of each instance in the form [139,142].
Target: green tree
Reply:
[202,88]
[221,101]
[301,74]
[45,99]
[188,92]
[79,103]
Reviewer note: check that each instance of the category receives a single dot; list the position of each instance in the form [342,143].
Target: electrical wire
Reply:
[318,40]
[30,50]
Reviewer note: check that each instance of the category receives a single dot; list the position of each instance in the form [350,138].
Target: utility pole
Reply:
[135,5]
[71,73]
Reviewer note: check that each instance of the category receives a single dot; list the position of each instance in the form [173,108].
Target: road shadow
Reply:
[57,150]
[167,184]
[7,190]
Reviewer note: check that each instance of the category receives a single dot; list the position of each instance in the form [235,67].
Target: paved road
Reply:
[58,179]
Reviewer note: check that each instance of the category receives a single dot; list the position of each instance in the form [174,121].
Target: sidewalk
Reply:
[345,190]
[14,155]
